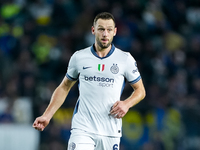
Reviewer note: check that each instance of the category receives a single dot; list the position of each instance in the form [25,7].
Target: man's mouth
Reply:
[104,40]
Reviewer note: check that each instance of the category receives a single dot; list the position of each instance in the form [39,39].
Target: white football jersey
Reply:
[101,82]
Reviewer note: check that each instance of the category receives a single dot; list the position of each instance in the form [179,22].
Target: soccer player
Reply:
[101,70]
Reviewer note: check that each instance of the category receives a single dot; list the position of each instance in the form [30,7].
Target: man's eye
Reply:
[109,29]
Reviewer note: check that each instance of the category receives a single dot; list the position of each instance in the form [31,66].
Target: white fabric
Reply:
[100,89]
[82,140]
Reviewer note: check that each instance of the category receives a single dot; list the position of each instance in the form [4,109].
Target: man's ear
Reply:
[92,30]
[115,31]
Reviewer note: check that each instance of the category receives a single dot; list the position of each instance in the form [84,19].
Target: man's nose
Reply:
[105,33]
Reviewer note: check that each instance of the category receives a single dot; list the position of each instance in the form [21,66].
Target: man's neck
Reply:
[102,52]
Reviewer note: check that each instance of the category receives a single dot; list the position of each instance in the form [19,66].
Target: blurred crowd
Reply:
[37,38]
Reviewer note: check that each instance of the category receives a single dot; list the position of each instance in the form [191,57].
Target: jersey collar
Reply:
[109,53]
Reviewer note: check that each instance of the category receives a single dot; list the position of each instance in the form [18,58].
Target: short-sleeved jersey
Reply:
[101,82]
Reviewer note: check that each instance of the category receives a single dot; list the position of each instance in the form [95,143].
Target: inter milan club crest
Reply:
[72,146]
[101,67]
[114,69]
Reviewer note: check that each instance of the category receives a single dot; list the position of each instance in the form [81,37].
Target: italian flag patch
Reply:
[101,67]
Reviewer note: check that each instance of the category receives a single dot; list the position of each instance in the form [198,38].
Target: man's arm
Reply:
[120,108]
[57,99]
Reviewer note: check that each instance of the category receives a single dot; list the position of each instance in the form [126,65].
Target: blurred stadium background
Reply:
[37,38]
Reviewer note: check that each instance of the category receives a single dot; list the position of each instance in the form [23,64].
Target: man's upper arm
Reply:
[67,83]
[139,86]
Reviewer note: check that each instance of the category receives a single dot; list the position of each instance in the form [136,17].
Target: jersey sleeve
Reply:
[132,73]
[72,71]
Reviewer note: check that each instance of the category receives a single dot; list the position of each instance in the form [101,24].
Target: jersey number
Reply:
[115,147]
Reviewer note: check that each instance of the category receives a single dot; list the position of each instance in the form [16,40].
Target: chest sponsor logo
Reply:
[102,81]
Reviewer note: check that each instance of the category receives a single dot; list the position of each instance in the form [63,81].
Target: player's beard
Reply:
[103,46]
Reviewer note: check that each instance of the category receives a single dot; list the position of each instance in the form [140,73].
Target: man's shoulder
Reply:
[121,52]
[83,51]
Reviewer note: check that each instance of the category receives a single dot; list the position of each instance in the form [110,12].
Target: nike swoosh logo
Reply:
[86,67]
